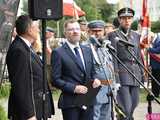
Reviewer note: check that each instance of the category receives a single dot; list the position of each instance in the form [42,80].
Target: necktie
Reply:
[79,60]
[34,53]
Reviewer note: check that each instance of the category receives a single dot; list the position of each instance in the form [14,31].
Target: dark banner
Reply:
[8,12]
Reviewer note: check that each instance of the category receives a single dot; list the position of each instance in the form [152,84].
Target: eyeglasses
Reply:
[73,29]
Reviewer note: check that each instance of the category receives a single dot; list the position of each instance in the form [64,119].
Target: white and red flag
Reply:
[70,8]
[145,23]
[145,33]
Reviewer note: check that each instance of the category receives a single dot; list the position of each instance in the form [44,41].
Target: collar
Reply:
[72,46]
[124,31]
[26,41]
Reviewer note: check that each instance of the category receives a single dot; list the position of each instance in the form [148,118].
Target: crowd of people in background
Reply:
[83,56]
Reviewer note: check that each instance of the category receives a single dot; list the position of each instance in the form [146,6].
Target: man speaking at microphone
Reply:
[123,39]
[104,69]
[72,68]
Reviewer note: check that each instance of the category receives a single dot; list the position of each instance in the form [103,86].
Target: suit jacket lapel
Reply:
[71,54]
[36,57]
[85,57]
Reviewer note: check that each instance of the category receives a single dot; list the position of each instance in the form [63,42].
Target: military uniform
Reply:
[128,95]
[104,72]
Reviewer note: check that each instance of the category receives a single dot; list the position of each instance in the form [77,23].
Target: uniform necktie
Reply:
[79,59]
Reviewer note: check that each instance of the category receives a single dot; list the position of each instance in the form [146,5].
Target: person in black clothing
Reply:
[26,75]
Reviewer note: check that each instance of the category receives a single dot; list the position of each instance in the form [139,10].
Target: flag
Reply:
[70,8]
[145,22]
[145,26]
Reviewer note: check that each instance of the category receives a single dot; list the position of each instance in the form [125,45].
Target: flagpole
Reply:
[145,35]
[75,12]
[58,32]
[131,4]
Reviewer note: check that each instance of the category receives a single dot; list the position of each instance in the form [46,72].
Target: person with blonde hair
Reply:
[37,46]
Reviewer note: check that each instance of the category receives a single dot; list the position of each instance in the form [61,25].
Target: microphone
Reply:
[124,42]
[94,41]
[107,44]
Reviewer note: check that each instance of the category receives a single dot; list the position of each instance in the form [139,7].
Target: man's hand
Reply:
[96,83]
[81,89]
[32,118]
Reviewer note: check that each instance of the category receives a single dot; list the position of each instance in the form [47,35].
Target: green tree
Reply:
[97,9]
[155,26]
[94,9]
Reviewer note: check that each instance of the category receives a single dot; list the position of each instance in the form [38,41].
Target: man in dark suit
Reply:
[26,75]
[128,94]
[72,67]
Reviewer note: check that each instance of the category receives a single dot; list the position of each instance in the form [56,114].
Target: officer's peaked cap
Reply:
[126,12]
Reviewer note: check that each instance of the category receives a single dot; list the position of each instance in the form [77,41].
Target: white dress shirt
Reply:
[72,46]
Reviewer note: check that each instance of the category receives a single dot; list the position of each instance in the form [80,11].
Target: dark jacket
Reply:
[26,77]
[67,73]
[155,49]
[124,77]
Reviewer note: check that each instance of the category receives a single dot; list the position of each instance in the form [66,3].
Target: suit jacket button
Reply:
[82,75]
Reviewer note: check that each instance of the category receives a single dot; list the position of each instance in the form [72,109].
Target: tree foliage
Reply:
[155,27]
[97,9]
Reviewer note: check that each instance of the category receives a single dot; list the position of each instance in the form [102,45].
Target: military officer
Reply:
[104,69]
[128,94]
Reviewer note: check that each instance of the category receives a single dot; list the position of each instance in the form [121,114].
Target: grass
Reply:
[3,114]
[4,93]
[4,90]
[56,93]
[143,96]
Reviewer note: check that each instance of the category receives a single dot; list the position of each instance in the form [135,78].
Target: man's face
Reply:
[126,21]
[83,27]
[49,34]
[97,32]
[73,33]
[34,31]
[109,29]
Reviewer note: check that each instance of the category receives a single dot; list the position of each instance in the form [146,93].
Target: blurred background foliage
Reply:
[94,9]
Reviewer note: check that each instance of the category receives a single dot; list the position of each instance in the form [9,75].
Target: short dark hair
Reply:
[116,22]
[22,24]
[69,21]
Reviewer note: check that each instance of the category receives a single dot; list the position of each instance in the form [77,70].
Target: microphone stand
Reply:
[44,67]
[150,95]
[113,99]
[143,67]
[140,83]
[149,92]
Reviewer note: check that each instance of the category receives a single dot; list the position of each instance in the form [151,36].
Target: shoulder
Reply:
[112,34]
[135,33]
[157,38]
[17,45]
[59,51]
[86,47]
